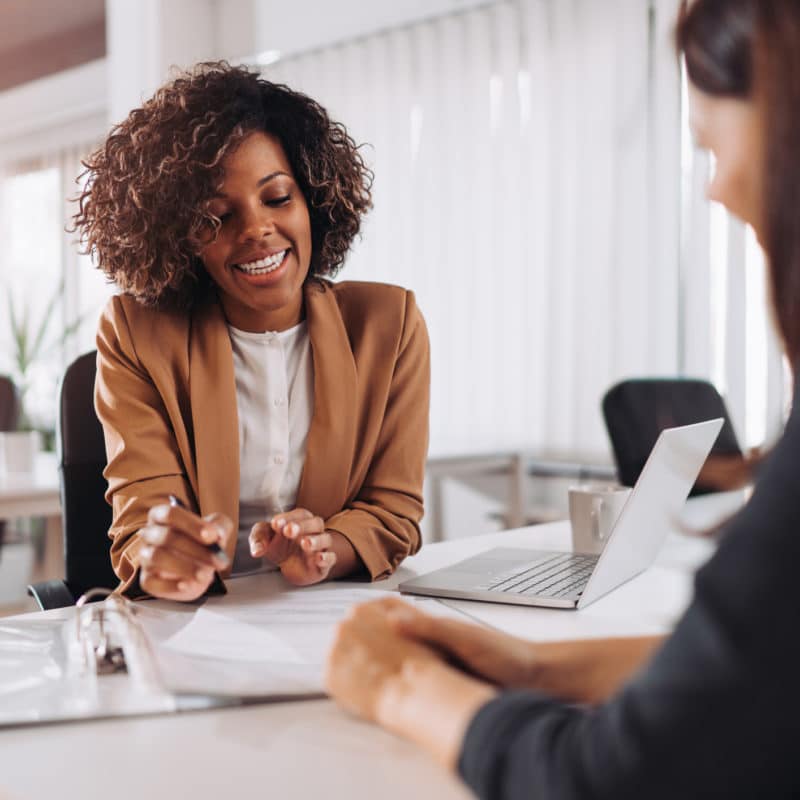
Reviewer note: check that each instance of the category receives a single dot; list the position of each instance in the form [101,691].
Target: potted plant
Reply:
[33,343]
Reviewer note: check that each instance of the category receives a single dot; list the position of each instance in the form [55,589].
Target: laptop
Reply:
[572,580]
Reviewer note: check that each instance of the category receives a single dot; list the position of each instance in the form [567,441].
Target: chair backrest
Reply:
[86,515]
[10,407]
[636,411]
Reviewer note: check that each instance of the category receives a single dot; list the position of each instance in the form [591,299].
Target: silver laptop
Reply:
[567,580]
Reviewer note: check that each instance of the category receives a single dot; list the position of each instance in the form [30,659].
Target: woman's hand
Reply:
[481,651]
[730,472]
[376,673]
[586,671]
[367,652]
[175,563]
[297,542]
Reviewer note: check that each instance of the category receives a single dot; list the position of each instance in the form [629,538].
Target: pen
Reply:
[214,547]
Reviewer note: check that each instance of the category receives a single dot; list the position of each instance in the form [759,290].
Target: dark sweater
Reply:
[716,713]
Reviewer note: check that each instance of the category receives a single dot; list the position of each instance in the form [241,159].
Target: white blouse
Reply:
[275,395]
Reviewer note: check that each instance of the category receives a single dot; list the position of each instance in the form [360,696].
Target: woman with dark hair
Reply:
[247,401]
[715,711]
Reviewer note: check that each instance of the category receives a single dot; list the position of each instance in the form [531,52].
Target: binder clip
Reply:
[96,628]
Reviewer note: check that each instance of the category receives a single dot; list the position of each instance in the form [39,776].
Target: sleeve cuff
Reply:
[375,563]
[482,762]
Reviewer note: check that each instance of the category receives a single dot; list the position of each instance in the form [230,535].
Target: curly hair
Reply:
[144,211]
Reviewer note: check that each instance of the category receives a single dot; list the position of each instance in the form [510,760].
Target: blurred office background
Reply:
[536,185]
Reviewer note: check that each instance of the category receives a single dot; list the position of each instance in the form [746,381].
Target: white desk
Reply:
[34,494]
[311,749]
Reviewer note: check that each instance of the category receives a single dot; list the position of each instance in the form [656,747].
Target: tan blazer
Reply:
[166,396]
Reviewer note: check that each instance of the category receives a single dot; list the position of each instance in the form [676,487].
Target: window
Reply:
[50,285]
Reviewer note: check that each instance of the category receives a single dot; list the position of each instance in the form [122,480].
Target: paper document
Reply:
[210,634]
[262,643]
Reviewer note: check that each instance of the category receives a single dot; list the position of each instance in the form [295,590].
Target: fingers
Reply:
[302,523]
[308,568]
[383,608]
[311,568]
[171,589]
[175,562]
[306,531]
[446,635]
[160,538]
[189,524]
[298,543]
[285,517]
[316,543]
[171,575]
[224,523]
[173,565]
[261,537]
[323,563]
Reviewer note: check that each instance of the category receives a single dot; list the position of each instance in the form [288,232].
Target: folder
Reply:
[101,663]
[262,642]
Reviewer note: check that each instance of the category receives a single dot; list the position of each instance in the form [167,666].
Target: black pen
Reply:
[214,547]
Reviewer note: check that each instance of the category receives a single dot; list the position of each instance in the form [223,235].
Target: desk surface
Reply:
[306,749]
[31,494]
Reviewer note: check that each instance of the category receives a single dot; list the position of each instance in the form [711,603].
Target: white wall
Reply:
[52,113]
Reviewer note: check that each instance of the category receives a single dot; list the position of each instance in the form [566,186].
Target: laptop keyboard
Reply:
[559,575]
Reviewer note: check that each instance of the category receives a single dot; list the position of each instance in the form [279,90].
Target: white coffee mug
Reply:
[593,511]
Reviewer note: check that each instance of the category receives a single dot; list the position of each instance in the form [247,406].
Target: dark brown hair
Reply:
[750,49]
[144,210]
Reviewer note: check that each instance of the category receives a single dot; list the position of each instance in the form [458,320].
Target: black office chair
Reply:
[10,412]
[636,411]
[10,406]
[86,517]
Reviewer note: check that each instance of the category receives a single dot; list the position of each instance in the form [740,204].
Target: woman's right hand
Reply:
[584,671]
[175,562]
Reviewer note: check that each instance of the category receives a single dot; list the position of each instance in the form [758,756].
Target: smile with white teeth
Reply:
[264,265]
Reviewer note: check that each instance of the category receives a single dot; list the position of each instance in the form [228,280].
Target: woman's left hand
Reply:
[297,542]
[367,653]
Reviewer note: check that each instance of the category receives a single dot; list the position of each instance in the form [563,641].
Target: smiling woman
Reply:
[285,416]
[260,256]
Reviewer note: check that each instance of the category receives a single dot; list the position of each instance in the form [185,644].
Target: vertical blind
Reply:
[536,186]
[527,162]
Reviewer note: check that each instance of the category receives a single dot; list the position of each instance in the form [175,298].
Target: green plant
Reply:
[32,344]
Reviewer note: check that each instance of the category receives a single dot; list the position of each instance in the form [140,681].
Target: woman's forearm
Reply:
[432,704]
[588,670]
